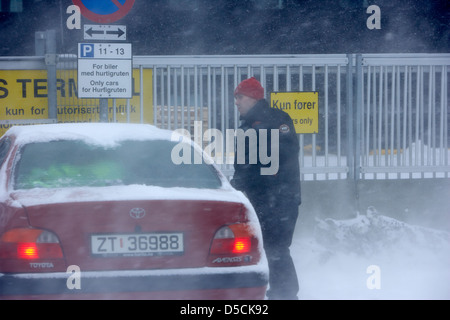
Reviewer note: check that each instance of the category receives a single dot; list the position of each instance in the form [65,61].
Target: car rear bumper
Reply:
[205,283]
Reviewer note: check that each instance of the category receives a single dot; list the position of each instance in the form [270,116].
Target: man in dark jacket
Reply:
[275,194]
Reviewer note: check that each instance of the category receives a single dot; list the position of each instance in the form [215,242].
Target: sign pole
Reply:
[103,106]
[50,62]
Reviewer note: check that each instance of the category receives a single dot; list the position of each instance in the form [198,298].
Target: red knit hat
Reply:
[251,88]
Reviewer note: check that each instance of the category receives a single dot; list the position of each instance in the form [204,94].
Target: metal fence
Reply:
[190,89]
[380,117]
[402,118]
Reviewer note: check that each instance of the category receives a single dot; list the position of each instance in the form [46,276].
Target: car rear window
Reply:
[60,164]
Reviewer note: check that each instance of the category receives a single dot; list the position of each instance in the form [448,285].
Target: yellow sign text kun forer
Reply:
[302,107]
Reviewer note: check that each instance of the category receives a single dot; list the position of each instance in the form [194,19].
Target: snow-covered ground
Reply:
[371,256]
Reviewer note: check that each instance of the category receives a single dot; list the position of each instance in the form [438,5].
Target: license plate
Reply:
[142,244]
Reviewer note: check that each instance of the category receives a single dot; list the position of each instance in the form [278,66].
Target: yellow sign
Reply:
[23,96]
[302,107]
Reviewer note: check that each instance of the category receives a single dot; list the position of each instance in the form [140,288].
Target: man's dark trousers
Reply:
[278,230]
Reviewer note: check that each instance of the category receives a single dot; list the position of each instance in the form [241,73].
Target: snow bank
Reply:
[343,257]
[373,233]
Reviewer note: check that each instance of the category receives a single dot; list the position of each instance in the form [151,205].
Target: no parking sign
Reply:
[104,11]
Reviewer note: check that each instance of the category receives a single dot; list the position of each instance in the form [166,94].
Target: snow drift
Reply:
[337,260]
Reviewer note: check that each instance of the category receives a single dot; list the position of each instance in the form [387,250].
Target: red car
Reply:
[101,211]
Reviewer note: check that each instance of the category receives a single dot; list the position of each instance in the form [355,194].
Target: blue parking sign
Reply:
[86,50]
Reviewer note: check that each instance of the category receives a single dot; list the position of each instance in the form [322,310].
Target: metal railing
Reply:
[402,118]
[189,89]
[381,116]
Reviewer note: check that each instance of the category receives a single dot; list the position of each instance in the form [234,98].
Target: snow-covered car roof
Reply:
[92,133]
[109,134]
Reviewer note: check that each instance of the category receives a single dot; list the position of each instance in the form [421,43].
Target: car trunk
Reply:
[141,224]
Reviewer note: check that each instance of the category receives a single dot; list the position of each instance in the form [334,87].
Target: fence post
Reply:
[350,128]
[103,110]
[50,62]
[358,114]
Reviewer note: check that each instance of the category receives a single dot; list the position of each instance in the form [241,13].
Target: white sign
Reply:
[104,51]
[105,70]
[104,32]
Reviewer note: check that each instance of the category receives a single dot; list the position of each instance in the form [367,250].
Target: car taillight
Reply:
[232,239]
[29,243]
[27,251]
